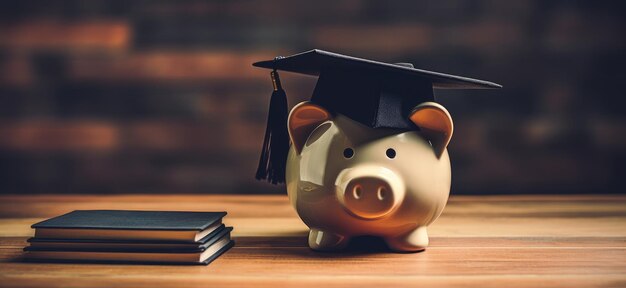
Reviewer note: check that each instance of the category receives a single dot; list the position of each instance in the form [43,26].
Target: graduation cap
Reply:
[375,94]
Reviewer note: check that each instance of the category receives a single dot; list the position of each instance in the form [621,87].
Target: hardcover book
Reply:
[200,254]
[130,225]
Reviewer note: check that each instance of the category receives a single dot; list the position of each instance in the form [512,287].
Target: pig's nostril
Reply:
[357,192]
[382,193]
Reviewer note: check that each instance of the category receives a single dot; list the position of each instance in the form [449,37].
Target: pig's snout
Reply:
[369,192]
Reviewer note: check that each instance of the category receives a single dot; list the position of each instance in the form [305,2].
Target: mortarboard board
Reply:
[376,94]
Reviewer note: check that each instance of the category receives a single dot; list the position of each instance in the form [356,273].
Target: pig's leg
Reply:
[326,241]
[416,240]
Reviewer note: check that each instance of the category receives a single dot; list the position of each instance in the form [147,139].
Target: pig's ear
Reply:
[435,124]
[303,119]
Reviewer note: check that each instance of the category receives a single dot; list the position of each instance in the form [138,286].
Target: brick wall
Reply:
[159,96]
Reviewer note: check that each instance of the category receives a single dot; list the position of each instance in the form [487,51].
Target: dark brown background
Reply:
[160,97]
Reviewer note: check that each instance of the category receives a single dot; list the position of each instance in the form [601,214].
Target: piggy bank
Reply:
[345,179]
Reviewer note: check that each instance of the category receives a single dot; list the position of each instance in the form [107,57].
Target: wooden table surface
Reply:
[495,241]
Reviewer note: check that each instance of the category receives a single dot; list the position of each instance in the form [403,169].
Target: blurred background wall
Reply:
[105,96]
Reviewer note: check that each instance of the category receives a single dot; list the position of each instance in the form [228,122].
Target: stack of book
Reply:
[130,236]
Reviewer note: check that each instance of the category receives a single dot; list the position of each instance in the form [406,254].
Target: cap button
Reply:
[403,64]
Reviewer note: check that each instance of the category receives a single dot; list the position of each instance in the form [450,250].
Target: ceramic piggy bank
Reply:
[346,179]
[368,154]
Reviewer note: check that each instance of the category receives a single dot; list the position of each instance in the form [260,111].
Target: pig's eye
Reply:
[348,153]
[391,153]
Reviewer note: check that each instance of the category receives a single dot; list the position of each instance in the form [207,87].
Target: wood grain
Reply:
[495,241]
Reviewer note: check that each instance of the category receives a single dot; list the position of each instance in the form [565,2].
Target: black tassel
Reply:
[273,158]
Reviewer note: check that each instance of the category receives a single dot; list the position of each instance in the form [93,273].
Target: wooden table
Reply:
[495,241]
